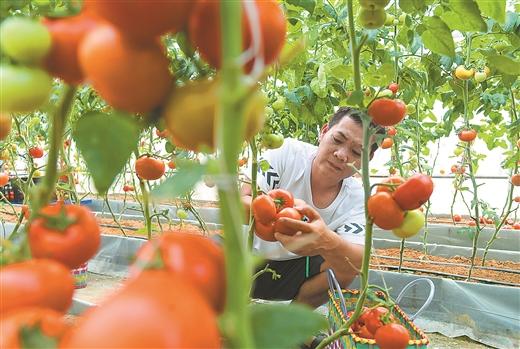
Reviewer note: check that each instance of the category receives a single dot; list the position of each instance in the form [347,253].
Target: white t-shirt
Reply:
[290,169]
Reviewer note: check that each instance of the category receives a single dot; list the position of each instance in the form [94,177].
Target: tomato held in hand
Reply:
[385,212]
[392,336]
[194,257]
[282,198]
[36,282]
[467,135]
[287,212]
[265,231]
[67,233]
[395,180]
[264,209]
[149,169]
[387,112]
[19,326]
[158,309]
[130,77]
[204,30]
[414,192]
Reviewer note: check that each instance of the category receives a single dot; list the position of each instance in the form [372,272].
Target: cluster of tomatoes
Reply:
[267,209]
[372,14]
[379,324]
[462,73]
[113,47]
[37,292]
[396,204]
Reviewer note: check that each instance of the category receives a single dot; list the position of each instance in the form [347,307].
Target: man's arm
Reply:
[315,238]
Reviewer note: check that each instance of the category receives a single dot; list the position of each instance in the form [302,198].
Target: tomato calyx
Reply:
[59,222]
[32,336]
[155,262]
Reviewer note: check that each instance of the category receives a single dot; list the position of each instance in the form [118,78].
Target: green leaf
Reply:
[308,5]
[437,37]
[187,175]
[319,83]
[32,337]
[355,98]
[106,143]
[410,6]
[504,64]
[495,9]
[465,16]
[284,326]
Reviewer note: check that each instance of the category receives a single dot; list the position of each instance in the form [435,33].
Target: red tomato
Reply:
[414,192]
[50,322]
[391,131]
[393,87]
[385,211]
[457,218]
[196,258]
[143,20]
[127,188]
[287,212]
[4,179]
[472,223]
[204,30]
[515,179]
[172,165]
[67,33]
[36,282]
[149,169]
[162,134]
[130,77]
[265,231]
[517,199]
[67,233]
[157,309]
[282,199]
[365,333]
[387,143]
[392,336]
[457,169]
[373,320]
[264,209]
[396,180]
[36,152]
[25,211]
[516,226]
[387,112]
[467,135]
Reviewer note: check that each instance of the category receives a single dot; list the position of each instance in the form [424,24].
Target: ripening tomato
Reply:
[66,233]
[387,143]
[393,87]
[130,77]
[157,309]
[464,74]
[392,336]
[385,211]
[195,258]
[67,34]
[196,104]
[457,169]
[387,112]
[204,31]
[515,179]
[517,199]
[414,192]
[264,209]
[413,222]
[143,20]
[467,135]
[4,179]
[265,231]
[242,162]
[516,226]
[391,131]
[127,188]
[395,180]
[472,223]
[172,165]
[5,125]
[456,218]
[36,152]
[373,320]
[20,324]
[36,282]
[149,169]
[282,198]
[288,212]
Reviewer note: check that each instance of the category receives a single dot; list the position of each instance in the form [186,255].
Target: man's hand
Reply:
[312,237]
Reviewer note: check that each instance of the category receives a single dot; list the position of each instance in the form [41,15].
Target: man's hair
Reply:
[355,115]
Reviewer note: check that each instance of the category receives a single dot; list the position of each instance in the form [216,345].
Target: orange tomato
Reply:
[515,179]
[396,180]
[387,112]
[467,135]
[387,143]
[149,168]
[385,212]
[4,179]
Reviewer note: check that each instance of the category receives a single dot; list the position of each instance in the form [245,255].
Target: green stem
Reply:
[236,321]
[254,190]
[146,209]
[354,49]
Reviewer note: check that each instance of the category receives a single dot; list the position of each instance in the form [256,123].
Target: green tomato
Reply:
[24,39]
[458,151]
[268,111]
[412,224]
[182,214]
[279,104]
[385,93]
[272,141]
[372,19]
[410,109]
[480,76]
[23,89]
[389,21]
[373,4]
[402,18]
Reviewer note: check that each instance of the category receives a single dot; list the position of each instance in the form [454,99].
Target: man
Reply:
[333,236]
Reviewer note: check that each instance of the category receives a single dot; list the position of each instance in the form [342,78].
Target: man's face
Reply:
[340,146]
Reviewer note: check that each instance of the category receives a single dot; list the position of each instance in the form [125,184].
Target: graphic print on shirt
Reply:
[272,178]
[352,228]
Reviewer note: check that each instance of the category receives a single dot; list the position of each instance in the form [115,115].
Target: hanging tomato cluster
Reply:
[372,14]
[395,205]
